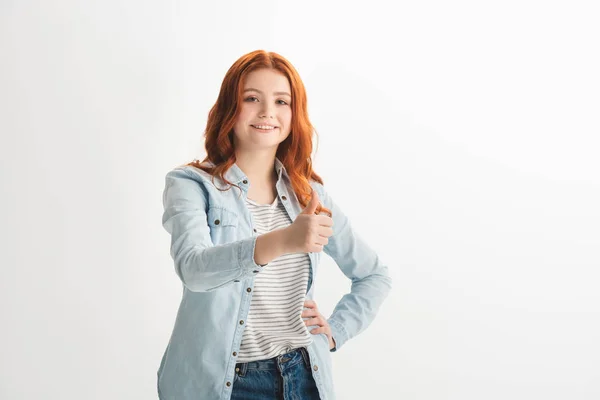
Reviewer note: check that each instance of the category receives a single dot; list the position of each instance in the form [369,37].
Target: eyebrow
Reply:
[275,93]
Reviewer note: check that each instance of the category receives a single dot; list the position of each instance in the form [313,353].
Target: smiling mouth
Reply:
[264,127]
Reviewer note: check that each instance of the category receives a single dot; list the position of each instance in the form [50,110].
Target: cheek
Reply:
[286,117]
[242,120]
[244,115]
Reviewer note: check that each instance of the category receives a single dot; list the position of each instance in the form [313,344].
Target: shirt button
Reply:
[256,272]
[217,222]
[254,229]
[242,322]
[228,383]
[316,368]
[235,354]
[245,181]
[248,290]
[283,198]
[237,370]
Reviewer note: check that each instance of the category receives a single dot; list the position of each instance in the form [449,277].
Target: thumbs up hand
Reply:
[309,232]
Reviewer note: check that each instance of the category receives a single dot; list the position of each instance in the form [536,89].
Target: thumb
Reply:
[311,207]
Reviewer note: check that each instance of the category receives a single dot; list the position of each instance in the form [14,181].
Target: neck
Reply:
[259,168]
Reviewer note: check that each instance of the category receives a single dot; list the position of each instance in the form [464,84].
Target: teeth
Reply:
[264,127]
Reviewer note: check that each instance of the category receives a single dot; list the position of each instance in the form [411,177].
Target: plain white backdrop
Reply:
[462,139]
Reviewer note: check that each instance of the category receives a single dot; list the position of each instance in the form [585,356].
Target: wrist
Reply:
[283,241]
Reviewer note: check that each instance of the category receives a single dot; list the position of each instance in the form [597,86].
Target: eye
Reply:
[251,98]
[282,102]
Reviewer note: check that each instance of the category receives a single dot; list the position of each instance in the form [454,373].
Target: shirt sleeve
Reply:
[201,265]
[370,277]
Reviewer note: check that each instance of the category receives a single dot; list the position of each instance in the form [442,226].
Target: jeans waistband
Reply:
[273,364]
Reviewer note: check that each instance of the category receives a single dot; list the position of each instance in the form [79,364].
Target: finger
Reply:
[322,241]
[310,304]
[318,330]
[312,205]
[325,220]
[309,313]
[315,248]
[325,231]
[314,322]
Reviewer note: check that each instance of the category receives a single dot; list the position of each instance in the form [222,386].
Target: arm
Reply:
[200,264]
[370,278]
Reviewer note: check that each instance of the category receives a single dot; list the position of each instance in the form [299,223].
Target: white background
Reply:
[462,139]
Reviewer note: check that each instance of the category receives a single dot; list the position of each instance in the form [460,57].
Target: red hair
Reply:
[294,152]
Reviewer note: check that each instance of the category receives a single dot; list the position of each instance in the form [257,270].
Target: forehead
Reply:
[267,80]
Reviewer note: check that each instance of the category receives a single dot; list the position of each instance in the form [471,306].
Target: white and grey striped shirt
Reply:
[274,324]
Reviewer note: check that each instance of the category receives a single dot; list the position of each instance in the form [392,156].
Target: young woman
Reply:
[248,226]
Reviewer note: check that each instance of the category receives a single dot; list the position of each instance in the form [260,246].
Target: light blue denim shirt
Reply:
[212,246]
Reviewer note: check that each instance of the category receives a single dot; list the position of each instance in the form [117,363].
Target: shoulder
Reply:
[319,187]
[186,182]
[192,184]
[189,173]
[324,196]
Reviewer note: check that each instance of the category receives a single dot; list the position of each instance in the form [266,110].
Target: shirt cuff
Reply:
[338,332]
[246,257]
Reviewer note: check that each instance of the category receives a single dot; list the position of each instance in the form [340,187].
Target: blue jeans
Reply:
[287,376]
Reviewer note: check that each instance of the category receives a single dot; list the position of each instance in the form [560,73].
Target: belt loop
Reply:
[305,356]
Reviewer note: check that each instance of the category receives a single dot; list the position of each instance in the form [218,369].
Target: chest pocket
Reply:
[223,224]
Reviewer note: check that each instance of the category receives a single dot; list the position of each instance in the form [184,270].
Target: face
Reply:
[265,114]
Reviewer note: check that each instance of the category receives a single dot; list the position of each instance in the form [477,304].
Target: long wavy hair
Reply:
[294,152]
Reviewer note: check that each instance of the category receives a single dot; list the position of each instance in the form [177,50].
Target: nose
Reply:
[267,111]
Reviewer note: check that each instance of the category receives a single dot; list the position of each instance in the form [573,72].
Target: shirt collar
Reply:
[235,174]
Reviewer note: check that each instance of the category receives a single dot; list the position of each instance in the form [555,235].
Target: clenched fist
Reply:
[309,232]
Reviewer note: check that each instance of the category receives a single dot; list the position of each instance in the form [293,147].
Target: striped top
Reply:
[274,324]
